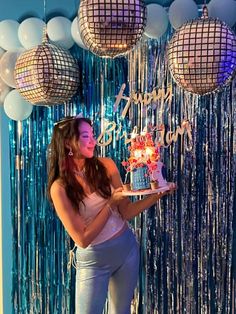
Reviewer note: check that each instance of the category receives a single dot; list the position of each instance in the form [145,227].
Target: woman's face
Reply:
[86,141]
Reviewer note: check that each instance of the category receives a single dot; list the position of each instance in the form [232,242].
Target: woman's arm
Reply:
[127,209]
[82,234]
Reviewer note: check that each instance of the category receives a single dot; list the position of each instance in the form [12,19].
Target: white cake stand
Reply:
[148,191]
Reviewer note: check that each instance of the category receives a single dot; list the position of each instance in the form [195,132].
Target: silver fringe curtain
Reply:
[188,240]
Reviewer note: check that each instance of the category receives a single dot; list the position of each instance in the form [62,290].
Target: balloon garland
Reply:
[64,33]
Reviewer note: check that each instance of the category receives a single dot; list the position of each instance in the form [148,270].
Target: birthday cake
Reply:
[143,167]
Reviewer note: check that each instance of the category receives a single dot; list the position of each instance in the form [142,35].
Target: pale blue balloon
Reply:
[4,90]
[75,32]
[16,107]
[161,2]
[223,10]
[30,32]
[59,32]
[9,35]
[7,66]
[182,11]
[157,21]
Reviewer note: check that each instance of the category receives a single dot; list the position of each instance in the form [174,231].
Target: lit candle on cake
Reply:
[138,153]
[149,152]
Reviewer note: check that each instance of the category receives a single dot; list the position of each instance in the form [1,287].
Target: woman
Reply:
[87,195]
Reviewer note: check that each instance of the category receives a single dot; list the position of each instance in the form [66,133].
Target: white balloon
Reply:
[59,32]
[4,90]
[30,32]
[16,107]
[9,35]
[157,21]
[181,11]
[7,66]
[75,32]
[223,10]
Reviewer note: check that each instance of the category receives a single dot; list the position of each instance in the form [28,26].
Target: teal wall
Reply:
[5,215]
[21,9]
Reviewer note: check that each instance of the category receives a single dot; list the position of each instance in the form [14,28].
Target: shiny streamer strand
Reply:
[187,244]
[41,281]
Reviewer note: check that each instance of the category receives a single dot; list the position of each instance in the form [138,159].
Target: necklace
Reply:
[80,173]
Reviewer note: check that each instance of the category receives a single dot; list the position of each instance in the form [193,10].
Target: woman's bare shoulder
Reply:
[111,167]
[107,162]
[57,187]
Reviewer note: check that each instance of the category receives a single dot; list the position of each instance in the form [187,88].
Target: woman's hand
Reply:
[172,188]
[116,197]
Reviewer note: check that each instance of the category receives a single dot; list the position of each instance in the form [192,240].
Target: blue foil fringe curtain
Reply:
[188,240]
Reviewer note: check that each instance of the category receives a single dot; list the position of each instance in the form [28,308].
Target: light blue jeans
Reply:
[110,268]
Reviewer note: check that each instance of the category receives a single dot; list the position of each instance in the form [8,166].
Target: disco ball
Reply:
[202,55]
[111,28]
[46,75]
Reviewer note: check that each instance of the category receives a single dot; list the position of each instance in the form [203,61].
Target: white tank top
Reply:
[93,203]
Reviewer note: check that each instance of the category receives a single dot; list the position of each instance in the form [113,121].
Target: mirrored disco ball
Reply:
[111,28]
[202,55]
[46,75]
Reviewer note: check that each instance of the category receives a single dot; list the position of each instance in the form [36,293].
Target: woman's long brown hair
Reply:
[61,165]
